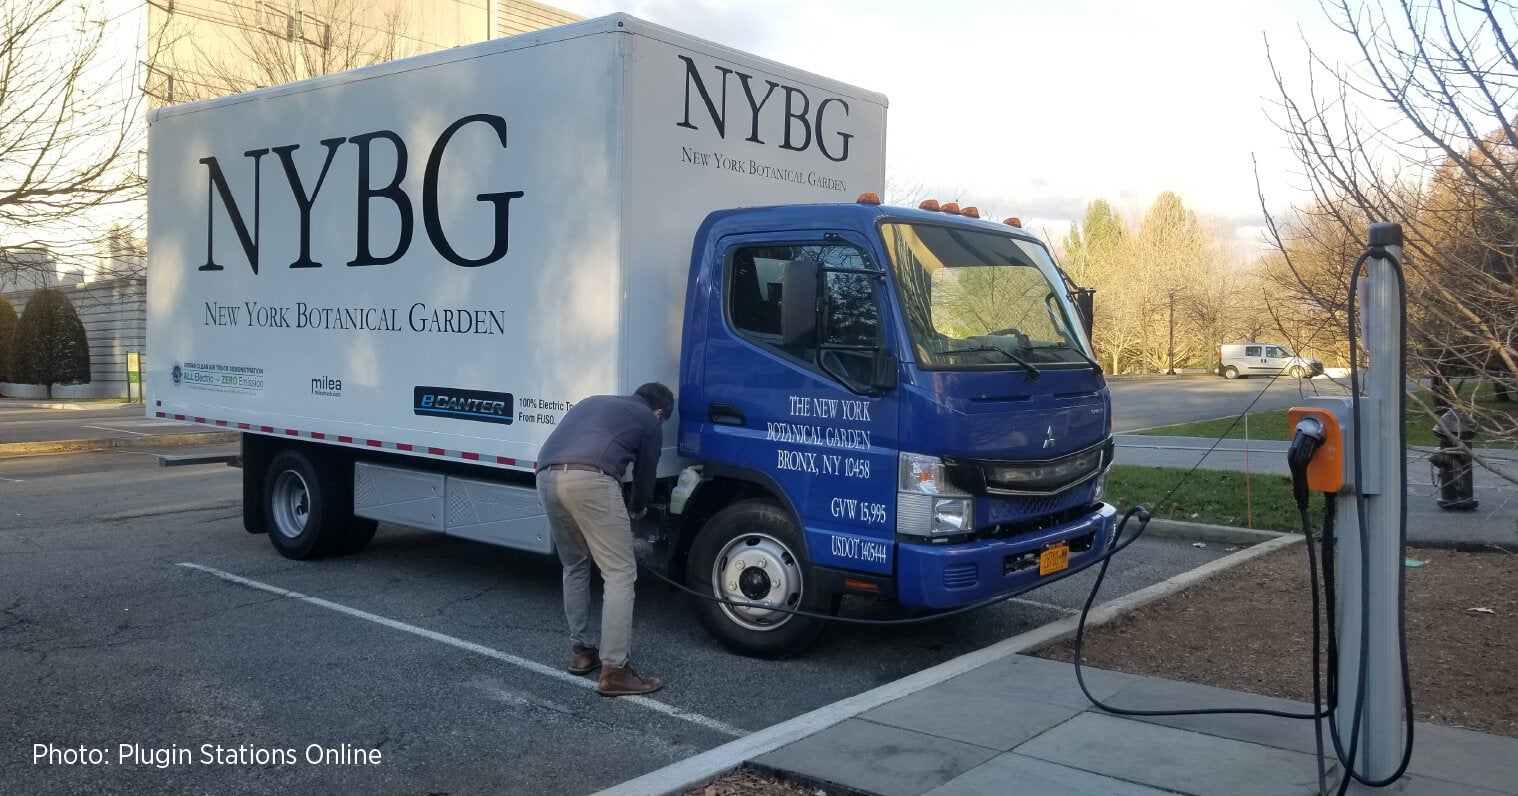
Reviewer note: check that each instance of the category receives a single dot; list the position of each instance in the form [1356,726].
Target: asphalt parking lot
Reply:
[142,628]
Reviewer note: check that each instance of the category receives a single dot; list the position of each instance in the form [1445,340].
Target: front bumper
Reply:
[946,576]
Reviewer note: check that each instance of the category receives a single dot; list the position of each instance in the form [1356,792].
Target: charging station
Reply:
[1353,449]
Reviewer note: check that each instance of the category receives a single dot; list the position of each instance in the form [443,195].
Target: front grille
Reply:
[1008,530]
[1046,477]
[1019,509]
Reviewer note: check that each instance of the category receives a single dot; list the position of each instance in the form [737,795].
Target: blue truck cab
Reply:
[891,402]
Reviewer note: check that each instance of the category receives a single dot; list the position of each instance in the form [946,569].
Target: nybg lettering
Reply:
[787,119]
[363,195]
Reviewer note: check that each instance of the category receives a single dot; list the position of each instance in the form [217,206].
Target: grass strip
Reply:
[1215,497]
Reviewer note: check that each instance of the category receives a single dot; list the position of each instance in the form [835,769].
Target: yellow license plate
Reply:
[1054,558]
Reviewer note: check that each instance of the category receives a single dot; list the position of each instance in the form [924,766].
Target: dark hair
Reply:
[657,396]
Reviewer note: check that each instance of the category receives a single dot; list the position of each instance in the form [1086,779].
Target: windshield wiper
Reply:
[1078,352]
[994,344]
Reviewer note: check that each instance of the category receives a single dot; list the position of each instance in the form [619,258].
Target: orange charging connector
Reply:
[1325,473]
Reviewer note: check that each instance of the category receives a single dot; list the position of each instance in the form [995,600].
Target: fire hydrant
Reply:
[1452,464]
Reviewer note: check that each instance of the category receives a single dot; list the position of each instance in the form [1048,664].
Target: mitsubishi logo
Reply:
[1049,437]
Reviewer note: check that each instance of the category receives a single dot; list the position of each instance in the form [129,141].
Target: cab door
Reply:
[1258,364]
[801,416]
[1276,360]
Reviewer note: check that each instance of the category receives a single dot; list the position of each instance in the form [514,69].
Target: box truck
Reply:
[394,281]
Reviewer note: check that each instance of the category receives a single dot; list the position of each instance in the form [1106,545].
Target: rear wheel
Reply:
[306,507]
[360,533]
[752,553]
[1230,372]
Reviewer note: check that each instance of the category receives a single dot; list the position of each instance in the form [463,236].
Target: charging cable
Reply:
[1306,439]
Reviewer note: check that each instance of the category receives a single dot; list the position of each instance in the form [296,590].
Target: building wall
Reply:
[114,314]
[522,16]
[208,48]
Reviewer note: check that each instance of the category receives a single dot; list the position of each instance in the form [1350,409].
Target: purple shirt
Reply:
[608,432]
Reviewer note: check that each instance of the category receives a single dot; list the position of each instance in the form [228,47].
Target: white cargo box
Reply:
[440,255]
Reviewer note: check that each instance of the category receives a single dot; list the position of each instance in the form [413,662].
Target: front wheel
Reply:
[1296,372]
[752,552]
[1230,372]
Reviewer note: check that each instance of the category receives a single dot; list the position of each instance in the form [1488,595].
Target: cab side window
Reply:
[754,295]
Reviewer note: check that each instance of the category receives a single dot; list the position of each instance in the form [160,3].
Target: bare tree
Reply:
[1172,269]
[1420,129]
[271,43]
[70,134]
[1303,290]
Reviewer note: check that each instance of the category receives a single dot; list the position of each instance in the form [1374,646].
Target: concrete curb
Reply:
[1202,532]
[149,441]
[693,771]
[28,403]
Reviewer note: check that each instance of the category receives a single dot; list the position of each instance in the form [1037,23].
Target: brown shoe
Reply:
[583,660]
[623,681]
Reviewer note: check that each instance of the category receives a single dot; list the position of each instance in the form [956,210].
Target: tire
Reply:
[1296,372]
[759,538]
[306,507]
[360,533]
[1230,372]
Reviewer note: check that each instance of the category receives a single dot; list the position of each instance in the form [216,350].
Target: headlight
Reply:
[926,503]
[1101,487]
[952,515]
[925,475]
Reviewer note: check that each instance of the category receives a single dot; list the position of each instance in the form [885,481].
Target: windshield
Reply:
[981,299]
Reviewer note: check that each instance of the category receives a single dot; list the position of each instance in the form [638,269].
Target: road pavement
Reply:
[134,610]
[45,427]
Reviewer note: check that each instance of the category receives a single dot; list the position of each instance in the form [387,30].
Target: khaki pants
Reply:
[589,522]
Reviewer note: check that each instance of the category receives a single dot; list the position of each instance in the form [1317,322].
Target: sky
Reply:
[1035,109]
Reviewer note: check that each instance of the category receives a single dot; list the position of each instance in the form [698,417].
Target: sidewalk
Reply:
[38,438]
[997,722]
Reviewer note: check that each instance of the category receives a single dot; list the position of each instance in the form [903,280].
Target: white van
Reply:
[1237,360]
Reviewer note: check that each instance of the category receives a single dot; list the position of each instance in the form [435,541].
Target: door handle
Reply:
[726,415]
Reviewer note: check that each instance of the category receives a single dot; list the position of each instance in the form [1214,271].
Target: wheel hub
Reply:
[754,583]
[291,504]
[762,572]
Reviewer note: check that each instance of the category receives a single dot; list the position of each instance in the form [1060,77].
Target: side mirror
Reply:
[883,369]
[798,303]
[1085,303]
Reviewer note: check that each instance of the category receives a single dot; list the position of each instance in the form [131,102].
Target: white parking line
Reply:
[532,666]
[118,430]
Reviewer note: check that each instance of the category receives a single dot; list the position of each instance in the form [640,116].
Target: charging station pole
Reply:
[1371,556]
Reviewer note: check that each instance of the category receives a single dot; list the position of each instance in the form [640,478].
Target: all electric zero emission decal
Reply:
[486,407]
